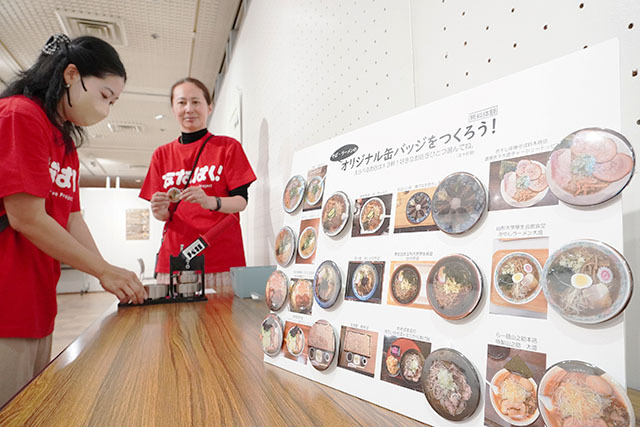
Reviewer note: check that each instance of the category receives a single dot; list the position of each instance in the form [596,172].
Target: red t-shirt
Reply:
[33,161]
[222,167]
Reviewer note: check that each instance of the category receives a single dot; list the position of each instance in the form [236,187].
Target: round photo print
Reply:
[293,193]
[372,215]
[587,281]
[277,290]
[517,278]
[295,341]
[590,166]
[364,281]
[307,242]
[271,335]
[418,208]
[315,188]
[335,213]
[285,246]
[458,203]
[301,298]
[572,392]
[327,284]
[454,286]
[405,283]
[451,384]
[322,345]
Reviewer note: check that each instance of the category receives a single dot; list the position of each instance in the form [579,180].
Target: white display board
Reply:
[520,116]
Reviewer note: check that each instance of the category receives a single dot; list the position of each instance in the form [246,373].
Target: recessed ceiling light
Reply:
[138,180]
[159,116]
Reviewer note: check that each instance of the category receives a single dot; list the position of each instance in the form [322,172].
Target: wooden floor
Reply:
[77,311]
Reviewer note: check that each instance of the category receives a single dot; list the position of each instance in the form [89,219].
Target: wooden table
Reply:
[187,364]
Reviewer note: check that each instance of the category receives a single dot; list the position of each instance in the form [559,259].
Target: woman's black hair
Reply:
[44,81]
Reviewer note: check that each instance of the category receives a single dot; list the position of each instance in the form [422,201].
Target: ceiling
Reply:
[159,42]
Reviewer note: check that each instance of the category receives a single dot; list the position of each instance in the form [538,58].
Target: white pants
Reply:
[21,359]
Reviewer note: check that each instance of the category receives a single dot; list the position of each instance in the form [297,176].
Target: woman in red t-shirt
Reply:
[200,198]
[72,84]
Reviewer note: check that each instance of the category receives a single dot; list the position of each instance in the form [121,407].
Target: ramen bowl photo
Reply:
[307,242]
[285,246]
[576,393]
[524,183]
[517,278]
[315,188]
[587,282]
[514,398]
[293,193]
[590,166]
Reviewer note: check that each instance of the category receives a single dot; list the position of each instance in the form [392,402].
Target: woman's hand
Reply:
[160,206]
[197,195]
[124,284]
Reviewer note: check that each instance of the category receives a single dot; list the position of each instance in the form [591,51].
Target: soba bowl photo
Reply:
[405,284]
[454,286]
[418,207]
[301,298]
[451,384]
[590,166]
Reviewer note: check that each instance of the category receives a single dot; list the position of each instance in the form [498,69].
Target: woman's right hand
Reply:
[124,284]
[160,206]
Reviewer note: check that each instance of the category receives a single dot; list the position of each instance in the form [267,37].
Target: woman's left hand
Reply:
[197,195]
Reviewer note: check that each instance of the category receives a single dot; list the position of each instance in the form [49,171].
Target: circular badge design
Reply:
[458,203]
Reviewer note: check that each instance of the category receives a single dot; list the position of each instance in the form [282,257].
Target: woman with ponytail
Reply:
[72,84]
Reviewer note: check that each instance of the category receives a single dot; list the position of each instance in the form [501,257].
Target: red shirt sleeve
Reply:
[24,150]
[239,171]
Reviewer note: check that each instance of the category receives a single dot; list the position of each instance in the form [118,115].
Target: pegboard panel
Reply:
[308,71]
[462,44]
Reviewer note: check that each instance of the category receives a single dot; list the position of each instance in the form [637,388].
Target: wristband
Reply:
[218,204]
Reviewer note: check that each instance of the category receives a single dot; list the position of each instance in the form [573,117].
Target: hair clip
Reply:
[54,43]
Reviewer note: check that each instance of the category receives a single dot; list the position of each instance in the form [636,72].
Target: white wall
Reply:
[105,214]
[308,71]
